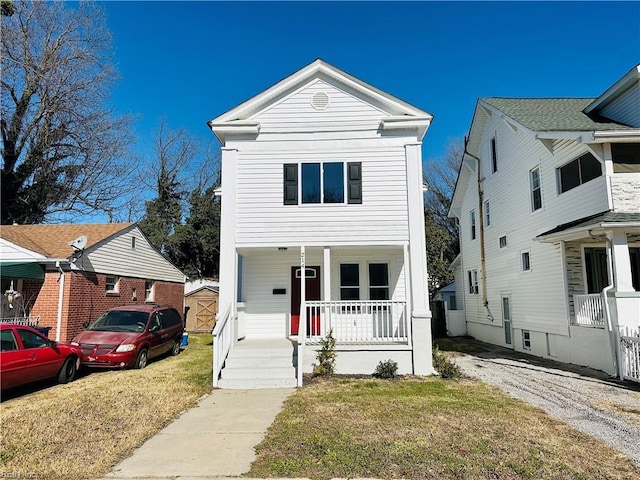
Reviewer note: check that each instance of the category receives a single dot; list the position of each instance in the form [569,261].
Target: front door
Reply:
[312,293]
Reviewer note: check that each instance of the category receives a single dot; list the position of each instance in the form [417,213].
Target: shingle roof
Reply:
[553,114]
[53,240]
[597,219]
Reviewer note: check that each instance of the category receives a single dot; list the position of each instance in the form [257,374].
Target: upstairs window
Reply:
[579,171]
[473,224]
[487,213]
[536,189]
[310,183]
[494,156]
[626,157]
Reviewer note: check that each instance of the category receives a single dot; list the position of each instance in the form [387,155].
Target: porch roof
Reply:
[603,221]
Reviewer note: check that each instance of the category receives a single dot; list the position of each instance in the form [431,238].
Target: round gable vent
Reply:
[320,100]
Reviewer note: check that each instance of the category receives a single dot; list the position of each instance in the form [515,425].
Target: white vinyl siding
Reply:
[624,109]
[296,112]
[115,256]
[263,219]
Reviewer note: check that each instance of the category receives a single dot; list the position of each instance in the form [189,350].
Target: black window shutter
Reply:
[290,183]
[354,182]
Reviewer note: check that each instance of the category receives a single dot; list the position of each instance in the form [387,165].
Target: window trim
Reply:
[342,287]
[370,286]
[533,189]
[487,213]
[149,292]
[493,146]
[472,220]
[351,183]
[527,264]
[115,285]
[580,180]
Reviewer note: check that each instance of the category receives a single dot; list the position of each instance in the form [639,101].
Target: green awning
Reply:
[21,270]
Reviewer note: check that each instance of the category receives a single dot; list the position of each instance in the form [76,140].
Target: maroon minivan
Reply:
[129,336]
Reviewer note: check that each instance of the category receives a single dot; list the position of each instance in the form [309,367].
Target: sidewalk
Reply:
[214,440]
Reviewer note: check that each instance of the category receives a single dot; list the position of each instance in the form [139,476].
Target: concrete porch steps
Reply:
[260,363]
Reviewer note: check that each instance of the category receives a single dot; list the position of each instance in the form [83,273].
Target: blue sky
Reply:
[191,61]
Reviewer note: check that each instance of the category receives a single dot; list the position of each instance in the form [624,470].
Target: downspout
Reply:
[60,299]
[483,270]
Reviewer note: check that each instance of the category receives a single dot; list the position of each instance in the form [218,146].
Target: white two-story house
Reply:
[322,229]
[548,203]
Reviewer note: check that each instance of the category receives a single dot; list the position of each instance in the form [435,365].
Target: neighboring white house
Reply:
[548,203]
[322,224]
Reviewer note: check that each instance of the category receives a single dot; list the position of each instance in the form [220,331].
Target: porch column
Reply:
[326,270]
[621,261]
[228,254]
[420,312]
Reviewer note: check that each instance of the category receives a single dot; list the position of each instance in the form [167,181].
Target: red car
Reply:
[28,356]
[128,336]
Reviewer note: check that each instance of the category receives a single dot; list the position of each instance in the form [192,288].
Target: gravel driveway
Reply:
[584,398]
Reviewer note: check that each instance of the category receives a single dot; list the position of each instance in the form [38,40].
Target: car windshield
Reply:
[120,321]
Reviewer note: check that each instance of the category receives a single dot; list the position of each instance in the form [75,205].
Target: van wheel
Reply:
[142,359]
[68,370]
[175,350]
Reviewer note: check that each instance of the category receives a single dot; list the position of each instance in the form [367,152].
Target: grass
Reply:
[81,430]
[426,429]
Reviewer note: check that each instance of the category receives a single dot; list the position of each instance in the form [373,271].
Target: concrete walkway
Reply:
[212,441]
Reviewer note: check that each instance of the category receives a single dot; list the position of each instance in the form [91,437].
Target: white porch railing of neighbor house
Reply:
[589,310]
[222,340]
[630,354]
[358,321]
[31,321]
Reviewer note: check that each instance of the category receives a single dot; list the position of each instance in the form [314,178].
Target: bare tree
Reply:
[441,175]
[63,149]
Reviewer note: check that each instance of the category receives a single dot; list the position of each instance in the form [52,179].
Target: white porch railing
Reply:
[222,340]
[630,354]
[358,321]
[31,321]
[589,310]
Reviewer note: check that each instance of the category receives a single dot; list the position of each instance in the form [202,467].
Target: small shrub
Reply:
[326,356]
[388,369]
[445,367]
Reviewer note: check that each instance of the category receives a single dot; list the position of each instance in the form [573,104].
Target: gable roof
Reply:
[239,118]
[53,241]
[553,114]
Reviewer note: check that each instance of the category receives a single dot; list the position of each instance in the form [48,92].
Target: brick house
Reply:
[68,274]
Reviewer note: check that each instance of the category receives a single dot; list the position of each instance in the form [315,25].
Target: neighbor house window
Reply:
[473,224]
[596,271]
[626,157]
[503,241]
[149,290]
[349,281]
[536,189]
[579,171]
[487,213]
[526,261]
[472,276]
[378,281]
[322,183]
[133,243]
[526,340]
[111,283]
[494,156]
